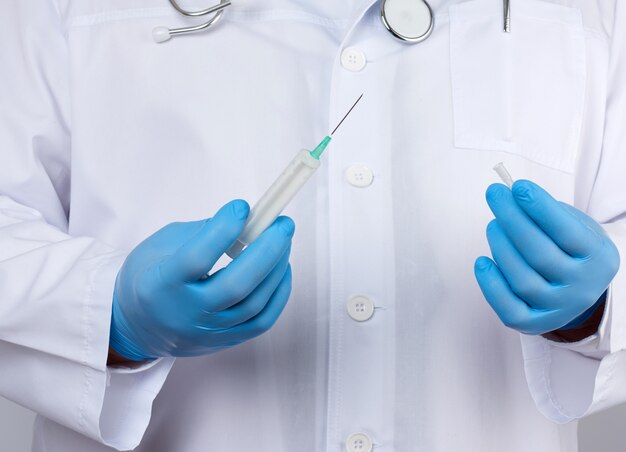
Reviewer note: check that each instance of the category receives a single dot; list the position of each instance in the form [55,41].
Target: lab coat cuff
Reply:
[570,381]
[128,399]
[567,385]
[616,328]
[119,410]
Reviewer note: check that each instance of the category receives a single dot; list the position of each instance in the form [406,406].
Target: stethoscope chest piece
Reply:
[410,21]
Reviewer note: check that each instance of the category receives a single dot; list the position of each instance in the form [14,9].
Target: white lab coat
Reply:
[106,136]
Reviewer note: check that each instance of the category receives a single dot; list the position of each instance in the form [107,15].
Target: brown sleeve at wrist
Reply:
[116,360]
[585,330]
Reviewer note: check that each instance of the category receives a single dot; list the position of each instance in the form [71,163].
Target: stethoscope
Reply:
[410,21]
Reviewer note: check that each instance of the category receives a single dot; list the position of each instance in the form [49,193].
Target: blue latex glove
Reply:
[552,262]
[164,305]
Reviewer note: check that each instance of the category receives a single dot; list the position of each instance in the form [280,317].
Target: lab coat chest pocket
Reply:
[520,92]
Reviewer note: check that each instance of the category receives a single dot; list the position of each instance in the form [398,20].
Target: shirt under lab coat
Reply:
[106,136]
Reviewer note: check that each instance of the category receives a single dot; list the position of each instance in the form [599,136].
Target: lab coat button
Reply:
[359,442]
[359,176]
[353,59]
[360,308]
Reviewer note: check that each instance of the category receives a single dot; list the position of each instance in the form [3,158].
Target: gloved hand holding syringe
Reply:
[166,304]
[282,191]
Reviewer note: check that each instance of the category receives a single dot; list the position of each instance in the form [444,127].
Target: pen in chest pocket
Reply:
[507,16]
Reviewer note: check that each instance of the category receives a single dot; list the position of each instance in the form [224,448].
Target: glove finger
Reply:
[533,244]
[511,310]
[195,258]
[567,230]
[254,303]
[261,322]
[524,281]
[234,283]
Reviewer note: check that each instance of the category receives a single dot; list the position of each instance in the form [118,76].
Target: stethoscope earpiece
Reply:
[162,34]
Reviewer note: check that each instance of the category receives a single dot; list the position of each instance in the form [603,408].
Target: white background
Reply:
[602,432]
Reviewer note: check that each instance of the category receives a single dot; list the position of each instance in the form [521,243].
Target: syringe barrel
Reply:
[275,199]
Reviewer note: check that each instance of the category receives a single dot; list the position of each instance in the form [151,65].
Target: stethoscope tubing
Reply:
[217,9]
[203,12]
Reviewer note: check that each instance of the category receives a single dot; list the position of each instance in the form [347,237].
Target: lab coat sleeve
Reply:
[55,289]
[569,381]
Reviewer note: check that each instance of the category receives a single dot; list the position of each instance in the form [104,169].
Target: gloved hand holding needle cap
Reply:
[551,262]
[164,305]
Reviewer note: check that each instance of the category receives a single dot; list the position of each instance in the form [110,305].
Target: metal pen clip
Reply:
[507,16]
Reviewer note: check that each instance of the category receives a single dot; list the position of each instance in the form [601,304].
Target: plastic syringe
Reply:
[282,191]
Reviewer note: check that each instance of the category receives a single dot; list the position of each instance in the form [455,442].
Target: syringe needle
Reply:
[346,115]
[284,188]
